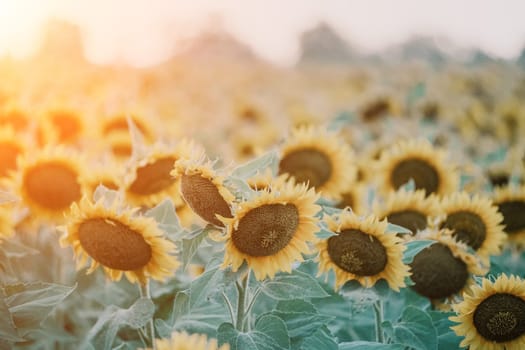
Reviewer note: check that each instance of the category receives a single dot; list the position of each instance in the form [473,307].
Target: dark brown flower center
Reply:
[376,110]
[114,244]
[347,200]
[425,176]
[513,215]
[357,252]
[410,219]
[52,185]
[468,228]
[437,273]
[500,317]
[307,166]
[8,154]
[154,177]
[499,179]
[267,229]
[204,198]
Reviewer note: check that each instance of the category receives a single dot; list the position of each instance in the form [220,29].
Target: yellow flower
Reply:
[60,126]
[184,341]
[119,240]
[354,197]
[318,158]
[511,204]
[49,181]
[10,149]
[492,316]
[474,221]
[272,230]
[417,160]
[203,189]
[408,209]
[443,270]
[362,250]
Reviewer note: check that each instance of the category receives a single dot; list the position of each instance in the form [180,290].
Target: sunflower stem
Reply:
[378,311]
[229,305]
[242,289]
[150,327]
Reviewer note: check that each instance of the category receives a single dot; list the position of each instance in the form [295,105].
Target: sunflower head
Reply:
[362,250]
[510,202]
[14,118]
[492,316]
[149,180]
[443,270]
[119,123]
[411,210]
[419,161]
[49,181]
[319,159]
[378,108]
[60,126]
[119,240]
[354,197]
[203,189]
[474,221]
[11,148]
[272,230]
[184,341]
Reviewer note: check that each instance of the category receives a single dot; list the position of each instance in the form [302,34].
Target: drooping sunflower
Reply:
[445,269]
[203,189]
[510,202]
[184,341]
[10,149]
[475,221]
[417,160]
[409,209]
[272,230]
[49,181]
[121,241]
[318,158]
[148,180]
[492,316]
[362,250]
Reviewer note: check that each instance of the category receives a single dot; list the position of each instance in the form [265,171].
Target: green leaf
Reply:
[204,285]
[301,317]
[324,234]
[29,304]
[322,338]
[396,229]
[297,285]
[257,165]
[8,330]
[191,245]
[103,333]
[167,219]
[368,345]
[410,186]
[104,194]
[269,334]
[414,247]
[415,330]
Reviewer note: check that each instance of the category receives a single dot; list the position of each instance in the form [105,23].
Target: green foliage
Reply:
[295,285]
[415,329]
[270,333]
[367,345]
[414,247]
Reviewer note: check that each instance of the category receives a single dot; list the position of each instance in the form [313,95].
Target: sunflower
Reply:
[119,240]
[149,181]
[10,149]
[318,158]
[184,341]
[362,250]
[475,221]
[49,181]
[409,209]
[271,231]
[511,204]
[15,118]
[119,123]
[417,160]
[492,316]
[443,270]
[378,108]
[108,177]
[265,180]
[119,144]
[203,189]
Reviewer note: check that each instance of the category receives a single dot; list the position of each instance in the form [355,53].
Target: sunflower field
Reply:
[220,204]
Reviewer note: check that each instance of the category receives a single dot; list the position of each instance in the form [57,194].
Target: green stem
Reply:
[378,311]
[229,305]
[150,328]
[242,289]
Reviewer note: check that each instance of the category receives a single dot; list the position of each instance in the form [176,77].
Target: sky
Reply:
[144,32]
